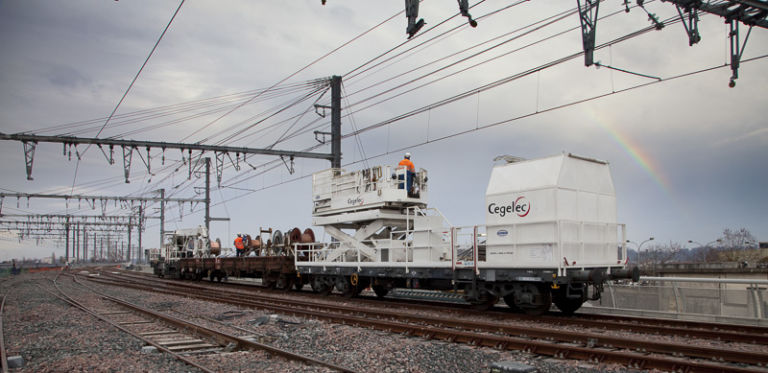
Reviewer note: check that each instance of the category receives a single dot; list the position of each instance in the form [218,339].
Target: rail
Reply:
[543,341]
[746,281]
[71,301]
[3,355]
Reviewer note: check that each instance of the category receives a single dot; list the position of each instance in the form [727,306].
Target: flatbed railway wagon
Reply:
[275,271]
[550,235]
[187,255]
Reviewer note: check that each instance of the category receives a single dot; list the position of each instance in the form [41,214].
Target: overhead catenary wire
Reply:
[281,109]
[552,20]
[351,74]
[358,141]
[355,74]
[545,21]
[286,135]
[500,123]
[166,110]
[133,81]
[507,79]
[495,84]
[348,106]
[298,71]
[74,179]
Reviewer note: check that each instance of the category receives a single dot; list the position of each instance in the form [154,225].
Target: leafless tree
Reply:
[738,246]
[658,255]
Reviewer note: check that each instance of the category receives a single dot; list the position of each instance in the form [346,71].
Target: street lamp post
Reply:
[698,243]
[706,246]
[639,247]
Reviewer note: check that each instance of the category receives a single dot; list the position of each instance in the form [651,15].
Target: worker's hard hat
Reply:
[408,155]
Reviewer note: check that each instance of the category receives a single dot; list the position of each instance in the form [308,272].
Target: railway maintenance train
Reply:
[550,236]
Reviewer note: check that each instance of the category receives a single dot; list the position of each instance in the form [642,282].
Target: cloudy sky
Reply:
[688,154]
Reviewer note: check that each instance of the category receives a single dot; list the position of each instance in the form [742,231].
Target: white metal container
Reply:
[558,211]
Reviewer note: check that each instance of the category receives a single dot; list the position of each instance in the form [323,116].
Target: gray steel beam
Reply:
[749,12]
[25,222]
[336,121]
[162,145]
[588,19]
[83,218]
[207,196]
[99,198]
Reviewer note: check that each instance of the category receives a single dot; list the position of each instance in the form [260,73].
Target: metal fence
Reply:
[741,298]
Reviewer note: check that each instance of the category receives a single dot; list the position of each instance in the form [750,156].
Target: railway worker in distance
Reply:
[410,172]
[239,245]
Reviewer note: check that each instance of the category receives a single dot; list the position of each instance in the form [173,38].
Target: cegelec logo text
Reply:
[355,201]
[521,207]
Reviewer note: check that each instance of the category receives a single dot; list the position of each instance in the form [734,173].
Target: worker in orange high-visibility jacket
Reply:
[239,245]
[410,172]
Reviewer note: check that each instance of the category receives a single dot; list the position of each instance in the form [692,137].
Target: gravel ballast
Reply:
[53,336]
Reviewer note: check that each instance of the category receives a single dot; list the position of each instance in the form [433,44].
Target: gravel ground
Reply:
[52,336]
[356,348]
[55,337]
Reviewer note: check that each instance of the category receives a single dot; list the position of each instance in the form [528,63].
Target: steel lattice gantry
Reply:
[748,12]
[128,147]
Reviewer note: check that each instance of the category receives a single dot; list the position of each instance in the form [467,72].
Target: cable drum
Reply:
[278,243]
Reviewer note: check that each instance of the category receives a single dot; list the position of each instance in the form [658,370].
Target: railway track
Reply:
[63,296]
[181,338]
[629,350]
[661,327]
[676,328]
[3,355]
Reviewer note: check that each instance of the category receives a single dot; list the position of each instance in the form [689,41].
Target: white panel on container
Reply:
[607,209]
[567,204]
[588,206]
[569,232]
[524,175]
[538,233]
[585,176]
[540,254]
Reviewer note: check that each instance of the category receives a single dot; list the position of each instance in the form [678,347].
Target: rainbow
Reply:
[640,157]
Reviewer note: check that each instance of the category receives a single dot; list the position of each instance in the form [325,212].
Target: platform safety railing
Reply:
[717,297]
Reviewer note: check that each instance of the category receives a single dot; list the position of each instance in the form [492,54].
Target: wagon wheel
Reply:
[363,283]
[298,285]
[485,302]
[321,286]
[284,282]
[270,281]
[568,305]
[380,290]
[299,282]
[346,285]
[542,296]
[509,299]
